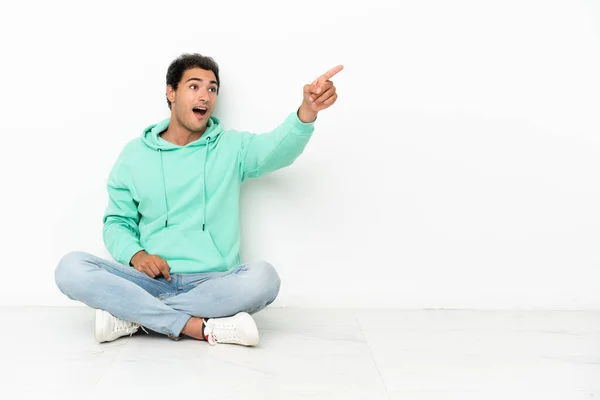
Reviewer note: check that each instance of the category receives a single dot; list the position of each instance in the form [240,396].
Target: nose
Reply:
[203,94]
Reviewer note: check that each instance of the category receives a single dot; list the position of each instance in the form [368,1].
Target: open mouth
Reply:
[200,112]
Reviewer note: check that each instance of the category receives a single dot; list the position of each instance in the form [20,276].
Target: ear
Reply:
[170,93]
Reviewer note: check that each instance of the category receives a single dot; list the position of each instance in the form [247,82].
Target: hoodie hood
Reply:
[152,139]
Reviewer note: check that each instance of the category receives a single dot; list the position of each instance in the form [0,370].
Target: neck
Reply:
[180,135]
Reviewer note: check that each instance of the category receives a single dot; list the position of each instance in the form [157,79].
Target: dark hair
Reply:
[188,61]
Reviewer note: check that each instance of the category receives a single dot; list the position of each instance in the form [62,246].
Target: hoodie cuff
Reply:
[299,127]
[128,253]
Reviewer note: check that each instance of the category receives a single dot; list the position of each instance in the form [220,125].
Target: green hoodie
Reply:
[182,202]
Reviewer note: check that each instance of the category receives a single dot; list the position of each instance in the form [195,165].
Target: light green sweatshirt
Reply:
[182,202]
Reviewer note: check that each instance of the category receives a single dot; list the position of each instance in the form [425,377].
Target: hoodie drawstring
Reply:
[162,170]
[204,187]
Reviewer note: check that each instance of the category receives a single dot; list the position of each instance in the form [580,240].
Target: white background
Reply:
[460,167]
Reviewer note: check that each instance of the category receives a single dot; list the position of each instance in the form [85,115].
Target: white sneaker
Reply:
[109,328]
[239,329]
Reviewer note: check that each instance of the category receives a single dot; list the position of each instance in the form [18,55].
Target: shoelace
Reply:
[129,327]
[122,325]
[222,333]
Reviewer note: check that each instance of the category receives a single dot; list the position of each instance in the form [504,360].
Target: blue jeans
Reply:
[158,304]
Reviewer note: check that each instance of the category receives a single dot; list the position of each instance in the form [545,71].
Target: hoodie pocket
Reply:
[190,246]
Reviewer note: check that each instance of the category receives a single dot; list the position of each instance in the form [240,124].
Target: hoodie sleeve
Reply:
[121,233]
[267,152]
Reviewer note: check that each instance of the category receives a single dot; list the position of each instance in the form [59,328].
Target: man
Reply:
[172,222]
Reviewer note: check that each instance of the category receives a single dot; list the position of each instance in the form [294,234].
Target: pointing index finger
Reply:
[165,270]
[329,74]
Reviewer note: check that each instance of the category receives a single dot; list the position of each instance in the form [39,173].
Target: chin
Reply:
[201,127]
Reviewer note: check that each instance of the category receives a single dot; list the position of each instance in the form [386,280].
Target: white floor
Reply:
[50,353]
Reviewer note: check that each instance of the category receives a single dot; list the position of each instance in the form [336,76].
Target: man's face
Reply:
[195,99]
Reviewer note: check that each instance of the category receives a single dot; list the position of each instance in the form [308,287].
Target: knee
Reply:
[67,269]
[266,280]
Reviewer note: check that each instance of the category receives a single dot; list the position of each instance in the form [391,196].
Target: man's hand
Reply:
[318,95]
[150,264]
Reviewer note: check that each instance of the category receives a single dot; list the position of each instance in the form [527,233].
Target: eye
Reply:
[213,89]
[193,87]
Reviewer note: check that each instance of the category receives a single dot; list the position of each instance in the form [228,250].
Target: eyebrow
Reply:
[198,79]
